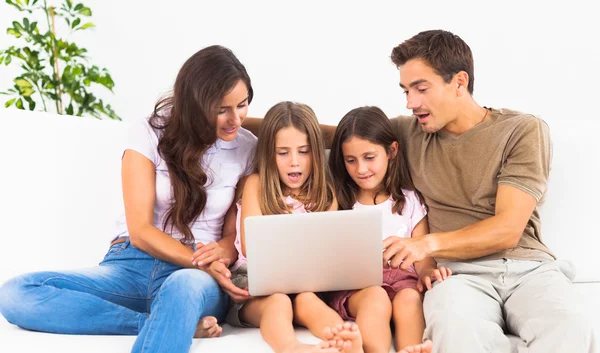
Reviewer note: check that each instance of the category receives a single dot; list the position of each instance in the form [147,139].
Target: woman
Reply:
[180,170]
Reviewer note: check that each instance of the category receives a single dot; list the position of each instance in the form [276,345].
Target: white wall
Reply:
[534,56]
[334,55]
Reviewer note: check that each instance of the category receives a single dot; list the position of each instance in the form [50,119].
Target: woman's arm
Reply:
[139,188]
[250,205]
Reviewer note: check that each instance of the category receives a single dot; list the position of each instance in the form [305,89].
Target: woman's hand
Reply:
[219,271]
[205,255]
[430,275]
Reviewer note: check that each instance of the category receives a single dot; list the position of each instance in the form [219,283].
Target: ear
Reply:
[393,150]
[462,83]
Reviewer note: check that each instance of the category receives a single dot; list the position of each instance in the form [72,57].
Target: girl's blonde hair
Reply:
[317,193]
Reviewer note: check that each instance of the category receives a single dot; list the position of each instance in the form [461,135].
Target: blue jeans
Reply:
[129,293]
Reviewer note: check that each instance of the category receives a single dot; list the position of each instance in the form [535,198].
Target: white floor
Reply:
[14,339]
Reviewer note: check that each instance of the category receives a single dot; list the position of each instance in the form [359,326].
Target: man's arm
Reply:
[253,124]
[497,233]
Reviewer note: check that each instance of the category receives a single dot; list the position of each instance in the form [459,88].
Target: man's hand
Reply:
[403,252]
[430,275]
[219,271]
[207,254]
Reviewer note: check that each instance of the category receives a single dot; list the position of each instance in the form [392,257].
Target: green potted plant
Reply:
[55,72]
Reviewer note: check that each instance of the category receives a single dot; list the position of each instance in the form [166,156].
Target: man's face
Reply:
[431,100]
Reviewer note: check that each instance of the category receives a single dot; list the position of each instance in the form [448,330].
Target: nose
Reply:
[412,102]
[235,118]
[362,167]
[294,161]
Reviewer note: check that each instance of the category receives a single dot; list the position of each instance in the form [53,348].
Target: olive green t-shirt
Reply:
[459,176]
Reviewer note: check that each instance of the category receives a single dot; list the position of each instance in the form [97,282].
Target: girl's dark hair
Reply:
[371,124]
[187,121]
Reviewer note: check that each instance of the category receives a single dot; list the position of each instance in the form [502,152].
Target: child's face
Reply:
[294,158]
[366,162]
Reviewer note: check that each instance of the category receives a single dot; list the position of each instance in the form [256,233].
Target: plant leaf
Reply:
[9,102]
[23,83]
[86,11]
[19,104]
[87,25]
[76,23]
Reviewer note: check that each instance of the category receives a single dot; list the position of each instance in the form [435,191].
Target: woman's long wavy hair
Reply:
[371,124]
[317,193]
[186,119]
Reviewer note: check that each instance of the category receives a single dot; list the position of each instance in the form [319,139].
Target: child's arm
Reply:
[250,205]
[427,268]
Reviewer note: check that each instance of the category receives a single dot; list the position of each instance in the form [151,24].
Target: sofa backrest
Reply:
[60,192]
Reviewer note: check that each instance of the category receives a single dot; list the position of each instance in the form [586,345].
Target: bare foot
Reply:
[322,347]
[346,337]
[208,328]
[424,347]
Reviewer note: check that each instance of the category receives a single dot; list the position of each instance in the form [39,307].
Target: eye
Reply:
[304,152]
[242,105]
[370,158]
[405,92]
[349,161]
[422,90]
[222,111]
[282,153]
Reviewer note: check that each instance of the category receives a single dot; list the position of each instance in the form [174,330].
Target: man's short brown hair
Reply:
[445,52]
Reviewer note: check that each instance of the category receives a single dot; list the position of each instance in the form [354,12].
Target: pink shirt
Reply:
[295,205]
[395,224]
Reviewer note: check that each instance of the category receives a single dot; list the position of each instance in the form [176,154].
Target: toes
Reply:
[208,322]
[328,333]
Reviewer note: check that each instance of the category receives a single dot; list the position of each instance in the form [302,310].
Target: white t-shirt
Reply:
[224,162]
[395,224]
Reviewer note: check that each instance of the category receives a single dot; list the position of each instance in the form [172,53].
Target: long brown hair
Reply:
[187,121]
[317,192]
[371,124]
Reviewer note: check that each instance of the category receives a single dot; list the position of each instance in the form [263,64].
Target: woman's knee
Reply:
[11,298]
[191,283]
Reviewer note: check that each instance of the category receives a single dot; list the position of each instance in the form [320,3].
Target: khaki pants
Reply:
[533,302]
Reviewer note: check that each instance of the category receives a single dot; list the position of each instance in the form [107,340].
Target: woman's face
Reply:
[232,112]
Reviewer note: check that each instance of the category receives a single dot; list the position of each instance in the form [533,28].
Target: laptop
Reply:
[314,252]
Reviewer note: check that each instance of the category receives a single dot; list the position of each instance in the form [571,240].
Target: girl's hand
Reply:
[219,271]
[207,254]
[430,275]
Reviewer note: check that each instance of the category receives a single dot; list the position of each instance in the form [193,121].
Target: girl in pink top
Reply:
[292,176]
[369,171]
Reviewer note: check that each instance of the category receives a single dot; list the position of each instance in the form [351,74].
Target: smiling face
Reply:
[366,163]
[232,112]
[431,99]
[293,158]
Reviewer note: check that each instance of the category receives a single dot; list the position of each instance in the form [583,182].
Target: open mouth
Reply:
[294,177]
[367,177]
[422,116]
[230,130]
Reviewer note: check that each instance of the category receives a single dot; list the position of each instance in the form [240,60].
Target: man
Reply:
[483,173]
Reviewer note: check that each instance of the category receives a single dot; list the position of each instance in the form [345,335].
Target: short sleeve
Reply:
[527,158]
[142,138]
[418,210]
[250,164]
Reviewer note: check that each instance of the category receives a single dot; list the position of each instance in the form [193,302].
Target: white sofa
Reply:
[60,194]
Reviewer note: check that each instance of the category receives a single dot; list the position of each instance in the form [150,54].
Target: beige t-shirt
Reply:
[459,176]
